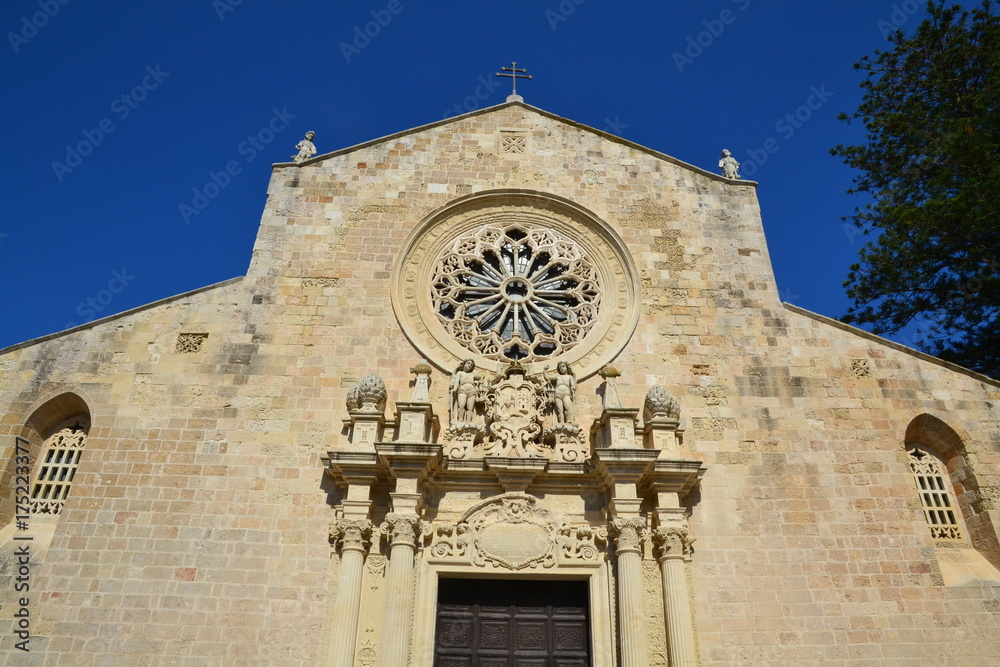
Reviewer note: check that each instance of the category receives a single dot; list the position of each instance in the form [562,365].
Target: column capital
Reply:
[673,542]
[351,534]
[402,528]
[627,534]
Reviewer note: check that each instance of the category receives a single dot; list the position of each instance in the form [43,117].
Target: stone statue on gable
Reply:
[306,148]
[730,167]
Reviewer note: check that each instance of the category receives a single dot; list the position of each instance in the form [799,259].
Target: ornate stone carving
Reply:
[514,408]
[673,542]
[652,594]
[428,309]
[627,533]
[401,528]
[510,531]
[368,395]
[659,403]
[567,442]
[730,167]
[448,541]
[375,564]
[460,440]
[465,389]
[305,147]
[351,533]
[580,543]
[515,291]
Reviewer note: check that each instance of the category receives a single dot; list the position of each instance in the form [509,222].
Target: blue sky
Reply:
[115,113]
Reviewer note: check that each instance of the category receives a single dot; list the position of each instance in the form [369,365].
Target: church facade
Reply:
[499,390]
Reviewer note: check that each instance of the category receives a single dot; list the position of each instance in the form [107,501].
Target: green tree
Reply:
[931,170]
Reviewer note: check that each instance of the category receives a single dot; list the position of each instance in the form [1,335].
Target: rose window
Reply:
[515,292]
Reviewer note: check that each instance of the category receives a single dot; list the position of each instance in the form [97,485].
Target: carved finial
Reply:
[611,397]
[368,395]
[659,403]
[306,148]
[422,385]
[353,400]
[730,167]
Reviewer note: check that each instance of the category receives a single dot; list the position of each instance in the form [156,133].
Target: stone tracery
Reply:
[515,292]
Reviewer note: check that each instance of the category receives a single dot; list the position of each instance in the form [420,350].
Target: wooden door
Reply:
[520,623]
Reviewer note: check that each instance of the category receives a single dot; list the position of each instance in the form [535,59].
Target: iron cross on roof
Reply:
[514,75]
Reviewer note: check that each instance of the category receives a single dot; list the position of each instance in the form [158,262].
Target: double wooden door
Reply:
[519,623]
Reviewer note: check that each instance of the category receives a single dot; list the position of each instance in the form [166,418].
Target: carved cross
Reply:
[514,75]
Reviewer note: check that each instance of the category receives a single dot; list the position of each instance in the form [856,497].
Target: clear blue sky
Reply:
[200,76]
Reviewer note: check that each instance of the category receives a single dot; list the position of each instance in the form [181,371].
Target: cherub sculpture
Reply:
[306,148]
[730,167]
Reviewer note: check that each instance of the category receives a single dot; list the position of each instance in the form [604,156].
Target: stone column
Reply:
[353,536]
[628,534]
[402,530]
[674,544]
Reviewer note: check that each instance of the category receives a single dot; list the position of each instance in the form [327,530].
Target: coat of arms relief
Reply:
[504,415]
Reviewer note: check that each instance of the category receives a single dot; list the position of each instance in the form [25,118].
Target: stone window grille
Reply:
[861,368]
[935,495]
[188,343]
[57,469]
[513,142]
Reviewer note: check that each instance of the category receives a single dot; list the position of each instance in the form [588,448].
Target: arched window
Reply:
[936,496]
[60,458]
[51,443]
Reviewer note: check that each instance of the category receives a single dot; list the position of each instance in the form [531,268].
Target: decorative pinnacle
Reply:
[514,75]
